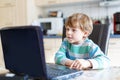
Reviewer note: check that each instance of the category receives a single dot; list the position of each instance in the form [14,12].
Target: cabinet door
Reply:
[50,2]
[51,46]
[7,13]
[69,1]
[114,51]
[40,2]
[7,2]
[13,12]
[81,0]
[58,42]
[7,16]
[21,12]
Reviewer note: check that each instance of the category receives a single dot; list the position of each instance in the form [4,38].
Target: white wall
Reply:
[94,10]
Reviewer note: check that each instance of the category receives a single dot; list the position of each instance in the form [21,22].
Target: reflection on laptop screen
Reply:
[22,48]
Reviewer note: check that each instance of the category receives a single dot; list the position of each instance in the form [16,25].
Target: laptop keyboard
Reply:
[56,72]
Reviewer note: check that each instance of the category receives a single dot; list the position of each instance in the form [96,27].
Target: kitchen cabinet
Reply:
[46,2]
[51,46]
[7,2]
[56,2]
[7,12]
[51,2]
[114,50]
[72,1]
[40,2]
[12,12]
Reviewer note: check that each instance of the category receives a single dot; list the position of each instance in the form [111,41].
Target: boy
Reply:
[77,50]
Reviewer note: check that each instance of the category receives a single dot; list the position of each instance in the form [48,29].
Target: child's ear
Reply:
[86,33]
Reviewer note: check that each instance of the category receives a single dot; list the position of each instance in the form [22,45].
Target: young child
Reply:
[77,51]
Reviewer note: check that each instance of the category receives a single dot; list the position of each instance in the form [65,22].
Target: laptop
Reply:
[23,51]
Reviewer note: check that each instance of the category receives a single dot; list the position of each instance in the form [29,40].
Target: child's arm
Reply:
[98,59]
[60,56]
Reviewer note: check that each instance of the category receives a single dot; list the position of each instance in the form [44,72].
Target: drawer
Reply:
[49,43]
[51,46]
[58,42]
[114,43]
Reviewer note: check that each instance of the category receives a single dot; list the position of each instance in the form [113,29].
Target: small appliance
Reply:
[117,23]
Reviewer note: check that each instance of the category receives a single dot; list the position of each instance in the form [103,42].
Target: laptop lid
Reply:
[23,50]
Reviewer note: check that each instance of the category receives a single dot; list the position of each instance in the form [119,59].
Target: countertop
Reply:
[114,35]
[54,36]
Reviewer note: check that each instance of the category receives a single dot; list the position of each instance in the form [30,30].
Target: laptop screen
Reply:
[23,50]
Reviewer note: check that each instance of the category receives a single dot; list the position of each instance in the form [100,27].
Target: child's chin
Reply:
[71,42]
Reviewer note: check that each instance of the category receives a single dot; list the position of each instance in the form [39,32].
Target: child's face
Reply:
[75,35]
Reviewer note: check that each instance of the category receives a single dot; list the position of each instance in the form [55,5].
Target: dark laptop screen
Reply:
[23,50]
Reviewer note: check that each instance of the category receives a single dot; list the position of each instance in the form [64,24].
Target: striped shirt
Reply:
[87,50]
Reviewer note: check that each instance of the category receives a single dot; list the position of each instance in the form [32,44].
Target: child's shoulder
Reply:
[65,41]
[89,42]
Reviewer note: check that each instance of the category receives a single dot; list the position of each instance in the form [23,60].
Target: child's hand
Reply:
[69,62]
[80,64]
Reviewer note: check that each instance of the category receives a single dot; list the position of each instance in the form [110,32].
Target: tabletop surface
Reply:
[112,73]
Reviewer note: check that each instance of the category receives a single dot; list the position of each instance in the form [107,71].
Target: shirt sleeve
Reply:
[60,56]
[98,59]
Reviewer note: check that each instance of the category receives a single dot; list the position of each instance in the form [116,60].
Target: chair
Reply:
[100,35]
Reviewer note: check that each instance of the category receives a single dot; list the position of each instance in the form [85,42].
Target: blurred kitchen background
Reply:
[51,14]
[25,12]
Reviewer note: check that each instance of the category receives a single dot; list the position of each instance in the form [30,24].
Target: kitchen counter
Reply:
[52,36]
[114,35]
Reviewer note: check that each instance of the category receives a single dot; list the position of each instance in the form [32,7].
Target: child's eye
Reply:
[67,29]
[74,30]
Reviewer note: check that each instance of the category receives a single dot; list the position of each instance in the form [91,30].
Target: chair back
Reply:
[101,35]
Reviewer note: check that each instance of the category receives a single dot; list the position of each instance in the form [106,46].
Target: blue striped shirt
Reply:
[87,50]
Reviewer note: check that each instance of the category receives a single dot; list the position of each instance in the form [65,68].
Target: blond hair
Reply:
[81,21]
